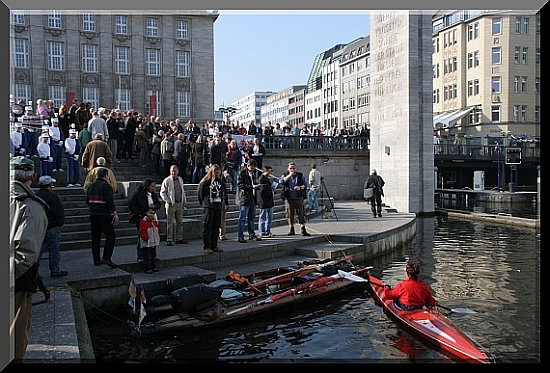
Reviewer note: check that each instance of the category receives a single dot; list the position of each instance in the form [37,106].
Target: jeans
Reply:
[211,227]
[155,163]
[312,200]
[46,168]
[198,174]
[51,243]
[264,222]
[247,213]
[57,156]
[234,174]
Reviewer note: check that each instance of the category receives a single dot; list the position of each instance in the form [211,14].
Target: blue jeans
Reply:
[198,174]
[234,174]
[247,213]
[155,163]
[57,156]
[264,223]
[312,200]
[51,242]
[73,171]
[46,168]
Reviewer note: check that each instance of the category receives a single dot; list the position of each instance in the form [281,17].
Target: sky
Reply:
[274,50]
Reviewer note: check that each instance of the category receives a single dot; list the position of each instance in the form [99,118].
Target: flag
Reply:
[142,312]
[132,292]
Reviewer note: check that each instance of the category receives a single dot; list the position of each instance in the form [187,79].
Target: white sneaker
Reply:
[70,185]
[60,170]
[54,170]
[77,185]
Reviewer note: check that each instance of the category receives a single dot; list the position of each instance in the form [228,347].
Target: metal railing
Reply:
[315,143]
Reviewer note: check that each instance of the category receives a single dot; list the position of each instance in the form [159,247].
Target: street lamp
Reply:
[227,111]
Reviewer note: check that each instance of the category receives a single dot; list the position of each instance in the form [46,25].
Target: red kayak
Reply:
[431,325]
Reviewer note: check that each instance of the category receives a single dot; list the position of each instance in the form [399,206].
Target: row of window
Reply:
[90,58]
[522,25]
[89,23]
[362,101]
[519,113]
[123,98]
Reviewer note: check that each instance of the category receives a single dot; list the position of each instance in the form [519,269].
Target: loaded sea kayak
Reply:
[430,325]
[238,297]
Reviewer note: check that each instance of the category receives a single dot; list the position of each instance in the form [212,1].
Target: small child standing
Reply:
[149,236]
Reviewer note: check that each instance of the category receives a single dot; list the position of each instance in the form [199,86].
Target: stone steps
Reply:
[76,231]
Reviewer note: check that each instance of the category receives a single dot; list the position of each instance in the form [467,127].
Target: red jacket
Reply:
[411,293]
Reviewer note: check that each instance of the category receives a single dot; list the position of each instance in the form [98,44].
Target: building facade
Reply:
[157,63]
[248,108]
[486,73]
[276,109]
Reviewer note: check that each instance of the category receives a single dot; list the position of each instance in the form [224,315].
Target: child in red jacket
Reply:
[149,236]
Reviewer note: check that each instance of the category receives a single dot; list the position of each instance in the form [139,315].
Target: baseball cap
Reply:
[22,163]
[46,180]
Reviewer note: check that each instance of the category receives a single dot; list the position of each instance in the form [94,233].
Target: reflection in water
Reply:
[493,270]
[526,210]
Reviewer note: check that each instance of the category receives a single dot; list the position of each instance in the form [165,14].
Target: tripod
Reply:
[327,209]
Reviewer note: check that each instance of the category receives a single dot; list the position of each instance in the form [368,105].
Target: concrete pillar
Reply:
[401,115]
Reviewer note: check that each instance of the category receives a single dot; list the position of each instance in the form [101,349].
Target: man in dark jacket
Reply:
[56,219]
[377,183]
[247,187]
[28,228]
[103,217]
[294,192]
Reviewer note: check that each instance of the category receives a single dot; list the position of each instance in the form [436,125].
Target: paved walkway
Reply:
[53,336]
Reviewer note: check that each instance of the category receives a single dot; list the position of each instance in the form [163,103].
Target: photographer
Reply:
[294,192]
[314,185]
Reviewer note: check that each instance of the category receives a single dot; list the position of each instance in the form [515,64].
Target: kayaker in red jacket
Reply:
[411,293]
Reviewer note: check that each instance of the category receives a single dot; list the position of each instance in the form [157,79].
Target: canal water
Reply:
[492,270]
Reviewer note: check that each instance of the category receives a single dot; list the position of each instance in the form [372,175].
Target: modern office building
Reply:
[355,83]
[248,108]
[278,105]
[159,63]
[486,73]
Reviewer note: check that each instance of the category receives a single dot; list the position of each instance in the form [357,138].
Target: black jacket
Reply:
[265,199]
[376,182]
[208,196]
[139,204]
[56,212]
[99,198]
[286,194]
[245,194]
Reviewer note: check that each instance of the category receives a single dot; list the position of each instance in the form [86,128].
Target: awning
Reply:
[449,118]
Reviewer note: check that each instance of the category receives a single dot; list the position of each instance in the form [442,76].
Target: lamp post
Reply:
[227,111]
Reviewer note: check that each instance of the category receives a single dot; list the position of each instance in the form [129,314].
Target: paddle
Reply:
[454,310]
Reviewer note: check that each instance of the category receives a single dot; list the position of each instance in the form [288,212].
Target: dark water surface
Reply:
[493,270]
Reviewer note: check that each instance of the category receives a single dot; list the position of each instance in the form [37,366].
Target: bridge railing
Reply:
[315,143]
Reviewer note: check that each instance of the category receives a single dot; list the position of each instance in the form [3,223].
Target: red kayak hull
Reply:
[430,325]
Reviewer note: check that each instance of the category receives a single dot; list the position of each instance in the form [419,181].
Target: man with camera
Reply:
[294,192]
[314,185]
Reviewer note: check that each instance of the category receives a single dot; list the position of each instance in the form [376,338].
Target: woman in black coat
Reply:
[141,200]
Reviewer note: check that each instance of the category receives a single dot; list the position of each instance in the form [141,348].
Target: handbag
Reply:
[368,193]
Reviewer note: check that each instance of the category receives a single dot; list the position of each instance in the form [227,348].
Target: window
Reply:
[524,113]
[455,63]
[537,85]
[497,26]
[17,17]
[359,65]
[537,56]
[344,70]
[182,104]
[89,58]
[57,94]
[476,30]
[495,113]
[434,97]
[516,113]
[121,25]
[22,92]
[123,98]
[495,84]
[54,19]
[516,84]
[517,52]
[455,90]
[152,62]
[445,93]
[56,56]
[518,25]
[20,53]
[148,108]
[476,58]
[181,30]
[470,61]
[182,63]
[345,104]
[476,86]
[351,68]
[152,27]
[470,87]
[524,55]
[526,25]
[537,113]
[122,60]
[524,84]
[496,55]
[91,95]
[88,22]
